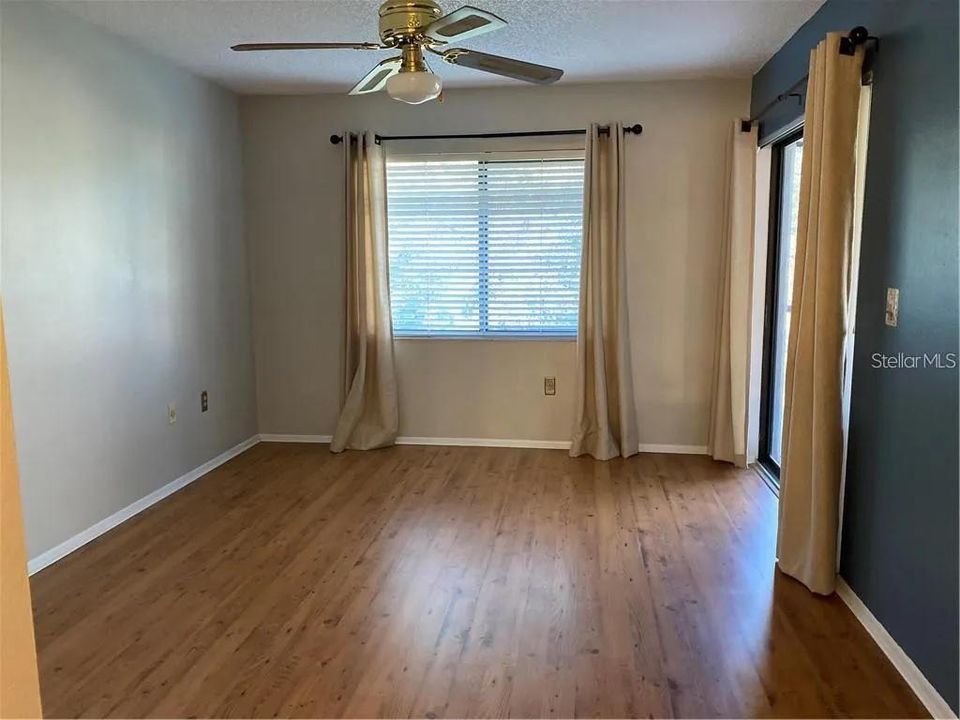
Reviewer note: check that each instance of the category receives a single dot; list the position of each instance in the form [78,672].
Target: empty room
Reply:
[531,358]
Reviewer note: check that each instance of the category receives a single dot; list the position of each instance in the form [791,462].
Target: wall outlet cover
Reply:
[204,401]
[549,386]
[171,413]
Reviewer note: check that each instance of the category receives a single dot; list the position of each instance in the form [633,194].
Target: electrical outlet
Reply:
[204,403]
[171,413]
[549,386]
[891,315]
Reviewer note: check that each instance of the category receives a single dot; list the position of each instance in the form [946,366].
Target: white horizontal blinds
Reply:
[535,218]
[481,246]
[433,212]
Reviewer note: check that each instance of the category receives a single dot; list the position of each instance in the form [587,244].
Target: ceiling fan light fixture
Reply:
[414,87]
[412,26]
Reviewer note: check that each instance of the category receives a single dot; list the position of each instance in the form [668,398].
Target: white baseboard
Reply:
[439,441]
[488,442]
[485,442]
[544,444]
[280,437]
[674,449]
[93,532]
[925,692]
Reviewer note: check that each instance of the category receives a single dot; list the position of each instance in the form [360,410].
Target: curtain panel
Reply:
[369,417]
[728,414]
[605,423]
[812,424]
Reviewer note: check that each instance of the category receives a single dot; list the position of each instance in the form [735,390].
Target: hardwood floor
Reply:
[452,582]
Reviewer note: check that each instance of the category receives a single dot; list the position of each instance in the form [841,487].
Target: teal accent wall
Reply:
[900,527]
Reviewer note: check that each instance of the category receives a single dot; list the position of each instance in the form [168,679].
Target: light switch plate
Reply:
[172,413]
[549,386]
[891,315]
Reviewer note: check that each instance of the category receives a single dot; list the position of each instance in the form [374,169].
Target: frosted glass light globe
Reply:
[414,87]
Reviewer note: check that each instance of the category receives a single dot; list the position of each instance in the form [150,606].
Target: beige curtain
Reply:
[369,416]
[728,415]
[812,427]
[605,424]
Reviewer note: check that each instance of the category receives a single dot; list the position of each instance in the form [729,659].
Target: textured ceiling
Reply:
[592,40]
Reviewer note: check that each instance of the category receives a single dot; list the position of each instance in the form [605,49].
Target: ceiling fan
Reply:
[413,26]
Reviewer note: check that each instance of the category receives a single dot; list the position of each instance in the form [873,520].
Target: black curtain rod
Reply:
[848,45]
[745,125]
[636,129]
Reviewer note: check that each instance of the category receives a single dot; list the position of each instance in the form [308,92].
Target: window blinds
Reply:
[485,247]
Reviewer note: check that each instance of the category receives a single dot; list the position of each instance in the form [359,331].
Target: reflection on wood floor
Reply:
[458,582]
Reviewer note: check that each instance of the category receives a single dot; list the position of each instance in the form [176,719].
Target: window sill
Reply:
[496,338]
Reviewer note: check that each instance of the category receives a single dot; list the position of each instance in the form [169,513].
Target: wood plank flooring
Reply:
[452,582]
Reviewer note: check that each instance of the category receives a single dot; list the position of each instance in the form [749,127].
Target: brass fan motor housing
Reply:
[403,21]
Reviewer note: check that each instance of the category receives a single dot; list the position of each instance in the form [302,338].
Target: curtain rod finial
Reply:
[336,139]
[859,35]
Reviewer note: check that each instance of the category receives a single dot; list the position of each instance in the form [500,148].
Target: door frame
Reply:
[772,287]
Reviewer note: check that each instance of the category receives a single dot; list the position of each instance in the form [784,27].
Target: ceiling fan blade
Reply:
[508,67]
[377,78]
[246,47]
[467,22]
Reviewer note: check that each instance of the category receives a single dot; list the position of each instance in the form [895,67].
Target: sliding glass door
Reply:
[785,195]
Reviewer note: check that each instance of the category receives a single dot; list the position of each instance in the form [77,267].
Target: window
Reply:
[785,198]
[485,245]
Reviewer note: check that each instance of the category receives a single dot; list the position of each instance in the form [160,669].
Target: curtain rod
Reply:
[636,129]
[848,45]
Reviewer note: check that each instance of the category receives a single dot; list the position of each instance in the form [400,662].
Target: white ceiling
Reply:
[592,40]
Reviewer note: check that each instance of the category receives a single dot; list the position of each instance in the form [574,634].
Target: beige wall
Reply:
[490,389]
[125,276]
